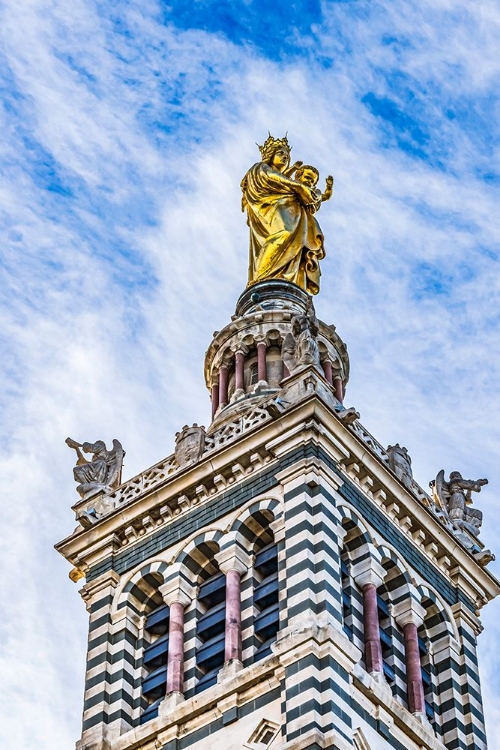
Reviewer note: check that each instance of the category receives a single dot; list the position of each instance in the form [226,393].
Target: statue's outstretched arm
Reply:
[328,189]
[288,172]
[471,484]
[76,446]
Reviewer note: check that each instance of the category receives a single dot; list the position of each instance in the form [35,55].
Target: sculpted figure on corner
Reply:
[286,241]
[454,497]
[102,473]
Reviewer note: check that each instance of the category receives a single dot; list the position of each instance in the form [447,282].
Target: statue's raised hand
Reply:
[290,171]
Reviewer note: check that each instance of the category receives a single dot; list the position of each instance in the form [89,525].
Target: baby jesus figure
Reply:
[309,176]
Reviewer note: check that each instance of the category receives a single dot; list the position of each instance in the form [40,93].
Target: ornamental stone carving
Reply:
[189,445]
[400,463]
[454,497]
[300,347]
[102,473]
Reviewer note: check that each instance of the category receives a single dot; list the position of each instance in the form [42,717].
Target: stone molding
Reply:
[408,610]
[419,732]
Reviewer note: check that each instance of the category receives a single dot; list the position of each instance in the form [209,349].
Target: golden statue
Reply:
[286,241]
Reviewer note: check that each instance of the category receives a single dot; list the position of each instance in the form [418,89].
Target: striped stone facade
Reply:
[313,687]
[286,590]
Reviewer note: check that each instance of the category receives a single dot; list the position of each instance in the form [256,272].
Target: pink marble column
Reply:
[175,669]
[215,399]
[373,647]
[327,369]
[416,703]
[409,614]
[223,381]
[234,562]
[178,593]
[233,616]
[239,374]
[261,361]
[369,574]
[339,389]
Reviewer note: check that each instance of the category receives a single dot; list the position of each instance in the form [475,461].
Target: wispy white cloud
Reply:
[125,139]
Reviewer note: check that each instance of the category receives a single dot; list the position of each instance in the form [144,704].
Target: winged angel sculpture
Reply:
[454,499]
[102,473]
[453,502]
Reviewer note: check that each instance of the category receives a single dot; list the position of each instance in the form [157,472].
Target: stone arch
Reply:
[252,524]
[348,516]
[392,560]
[440,609]
[197,556]
[141,586]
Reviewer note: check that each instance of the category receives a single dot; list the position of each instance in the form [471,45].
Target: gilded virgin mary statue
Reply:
[286,241]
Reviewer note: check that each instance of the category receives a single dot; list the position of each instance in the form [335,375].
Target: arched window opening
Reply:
[347,613]
[352,597]
[266,599]
[426,671]
[391,635]
[430,633]
[386,632]
[210,630]
[254,374]
[155,653]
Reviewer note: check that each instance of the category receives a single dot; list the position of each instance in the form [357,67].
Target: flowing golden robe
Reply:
[286,241]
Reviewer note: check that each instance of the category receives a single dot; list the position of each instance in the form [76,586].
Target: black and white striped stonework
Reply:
[312,552]
[327,528]
[317,697]
[471,689]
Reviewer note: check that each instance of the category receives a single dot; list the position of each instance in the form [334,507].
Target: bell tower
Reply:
[280,580]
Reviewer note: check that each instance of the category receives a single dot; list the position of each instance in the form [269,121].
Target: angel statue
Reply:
[300,347]
[286,241]
[454,499]
[104,470]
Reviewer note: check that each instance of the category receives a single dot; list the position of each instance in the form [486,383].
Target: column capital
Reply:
[409,610]
[233,558]
[177,589]
[368,571]
[239,348]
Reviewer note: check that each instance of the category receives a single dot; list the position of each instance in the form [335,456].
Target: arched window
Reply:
[433,638]
[426,671]
[347,613]
[352,597]
[154,660]
[154,643]
[210,630]
[391,635]
[266,599]
[254,374]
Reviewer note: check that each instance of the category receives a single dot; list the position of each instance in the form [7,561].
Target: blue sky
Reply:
[126,129]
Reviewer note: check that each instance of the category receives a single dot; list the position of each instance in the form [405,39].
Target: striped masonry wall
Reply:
[318,535]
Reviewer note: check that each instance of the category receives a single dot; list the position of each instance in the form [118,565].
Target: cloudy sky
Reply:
[126,129]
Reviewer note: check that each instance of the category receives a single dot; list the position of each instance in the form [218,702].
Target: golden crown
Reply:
[271,145]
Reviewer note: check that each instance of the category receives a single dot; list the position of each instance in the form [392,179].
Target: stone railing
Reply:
[232,430]
[92,510]
[370,441]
